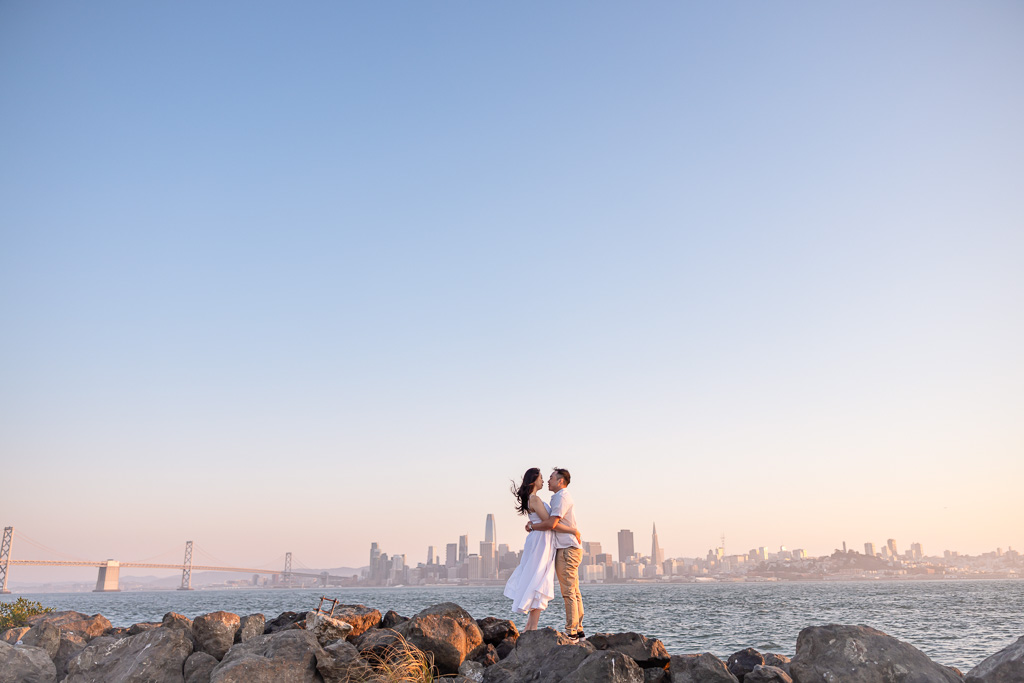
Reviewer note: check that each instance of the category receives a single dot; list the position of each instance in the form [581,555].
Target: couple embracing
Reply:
[552,549]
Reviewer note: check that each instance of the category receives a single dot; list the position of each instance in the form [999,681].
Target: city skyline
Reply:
[743,269]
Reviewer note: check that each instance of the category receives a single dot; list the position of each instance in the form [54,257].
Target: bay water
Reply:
[956,623]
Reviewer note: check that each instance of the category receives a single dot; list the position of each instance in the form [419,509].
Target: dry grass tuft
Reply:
[402,663]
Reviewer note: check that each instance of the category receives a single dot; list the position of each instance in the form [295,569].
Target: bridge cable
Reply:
[21,536]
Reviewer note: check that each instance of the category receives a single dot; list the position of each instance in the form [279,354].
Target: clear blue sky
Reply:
[301,277]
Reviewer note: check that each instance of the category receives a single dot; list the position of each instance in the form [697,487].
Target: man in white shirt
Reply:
[568,551]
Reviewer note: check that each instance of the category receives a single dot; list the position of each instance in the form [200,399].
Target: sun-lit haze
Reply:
[280,277]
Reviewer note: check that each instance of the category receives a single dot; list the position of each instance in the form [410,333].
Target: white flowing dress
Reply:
[532,584]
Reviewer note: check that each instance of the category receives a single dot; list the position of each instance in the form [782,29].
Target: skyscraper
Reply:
[488,567]
[430,554]
[869,549]
[490,533]
[463,548]
[452,555]
[891,544]
[657,554]
[625,545]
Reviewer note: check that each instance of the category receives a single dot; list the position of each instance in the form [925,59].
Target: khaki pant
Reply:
[567,569]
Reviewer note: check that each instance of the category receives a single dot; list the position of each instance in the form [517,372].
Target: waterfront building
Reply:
[490,533]
[451,556]
[625,545]
[657,554]
[488,567]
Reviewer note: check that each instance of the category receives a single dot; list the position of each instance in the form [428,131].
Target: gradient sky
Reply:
[280,277]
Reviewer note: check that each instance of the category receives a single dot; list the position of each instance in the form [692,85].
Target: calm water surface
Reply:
[957,623]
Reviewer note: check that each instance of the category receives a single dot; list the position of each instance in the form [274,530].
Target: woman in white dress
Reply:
[532,584]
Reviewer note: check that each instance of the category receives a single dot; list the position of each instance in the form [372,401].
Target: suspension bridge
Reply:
[109,570]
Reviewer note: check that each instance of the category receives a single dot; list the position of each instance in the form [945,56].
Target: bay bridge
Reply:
[108,578]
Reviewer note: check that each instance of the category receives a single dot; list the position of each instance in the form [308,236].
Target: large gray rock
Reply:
[327,629]
[45,636]
[175,620]
[285,621]
[767,674]
[136,629]
[743,662]
[360,617]
[657,676]
[541,656]
[781,661]
[198,667]
[445,631]
[377,644]
[288,656]
[495,630]
[21,664]
[861,654]
[607,666]
[88,627]
[70,645]
[704,668]
[341,663]
[156,656]
[649,653]
[215,632]
[250,627]
[392,619]
[1005,666]
[12,635]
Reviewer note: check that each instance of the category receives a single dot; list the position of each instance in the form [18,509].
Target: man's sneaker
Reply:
[572,637]
[580,635]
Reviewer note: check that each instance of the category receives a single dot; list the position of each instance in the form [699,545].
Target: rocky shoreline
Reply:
[354,643]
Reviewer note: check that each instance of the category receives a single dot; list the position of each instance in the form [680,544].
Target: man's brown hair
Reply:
[564,474]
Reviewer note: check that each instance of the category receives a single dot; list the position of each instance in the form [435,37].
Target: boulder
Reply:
[392,619]
[606,666]
[198,667]
[156,656]
[544,656]
[1003,667]
[215,632]
[767,674]
[505,648]
[472,671]
[327,629]
[288,656]
[647,652]
[249,627]
[486,657]
[656,676]
[21,664]
[136,629]
[704,668]
[445,631]
[116,632]
[360,617]
[13,635]
[84,625]
[175,620]
[495,630]
[70,645]
[285,621]
[743,662]
[378,644]
[861,654]
[45,636]
[341,663]
[781,661]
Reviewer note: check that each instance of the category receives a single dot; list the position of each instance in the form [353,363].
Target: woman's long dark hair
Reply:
[523,491]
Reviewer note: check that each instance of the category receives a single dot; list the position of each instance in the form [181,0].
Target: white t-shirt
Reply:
[562,506]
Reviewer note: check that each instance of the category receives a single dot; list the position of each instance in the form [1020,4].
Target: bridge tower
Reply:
[107,580]
[287,569]
[5,557]
[186,568]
